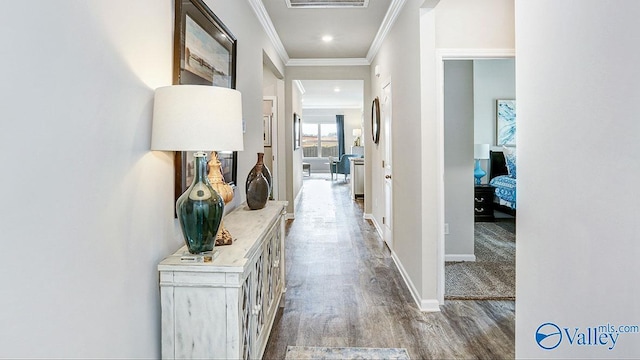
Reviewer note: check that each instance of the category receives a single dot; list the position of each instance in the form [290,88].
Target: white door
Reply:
[388,188]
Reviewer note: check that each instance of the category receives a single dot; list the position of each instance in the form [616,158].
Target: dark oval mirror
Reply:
[375,120]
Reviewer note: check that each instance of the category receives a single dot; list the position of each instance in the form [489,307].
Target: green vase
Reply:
[200,210]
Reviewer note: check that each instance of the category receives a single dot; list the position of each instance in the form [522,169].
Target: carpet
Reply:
[493,275]
[312,352]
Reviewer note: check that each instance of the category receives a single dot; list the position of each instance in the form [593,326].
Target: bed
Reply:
[502,175]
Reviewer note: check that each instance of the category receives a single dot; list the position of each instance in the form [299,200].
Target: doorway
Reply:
[466,224]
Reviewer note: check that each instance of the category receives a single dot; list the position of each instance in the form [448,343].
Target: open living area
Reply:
[291,179]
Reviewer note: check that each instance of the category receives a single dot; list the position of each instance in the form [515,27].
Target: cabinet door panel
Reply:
[246,308]
[195,309]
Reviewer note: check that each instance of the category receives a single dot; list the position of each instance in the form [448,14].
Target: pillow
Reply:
[510,159]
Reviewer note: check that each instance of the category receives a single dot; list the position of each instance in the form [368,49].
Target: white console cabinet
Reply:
[224,308]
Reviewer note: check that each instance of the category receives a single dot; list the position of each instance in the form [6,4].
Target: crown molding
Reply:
[471,54]
[329,62]
[330,107]
[267,24]
[301,88]
[388,21]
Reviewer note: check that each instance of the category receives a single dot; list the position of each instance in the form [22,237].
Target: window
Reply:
[319,140]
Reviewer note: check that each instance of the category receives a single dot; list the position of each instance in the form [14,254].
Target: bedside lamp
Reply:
[356,134]
[480,152]
[198,118]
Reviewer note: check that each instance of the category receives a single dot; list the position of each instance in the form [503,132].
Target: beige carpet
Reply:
[492,276]
[312,352]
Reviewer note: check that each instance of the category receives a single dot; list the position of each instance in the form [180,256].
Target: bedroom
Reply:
[471,91]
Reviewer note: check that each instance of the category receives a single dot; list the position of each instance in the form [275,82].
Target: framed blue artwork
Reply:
[505,122]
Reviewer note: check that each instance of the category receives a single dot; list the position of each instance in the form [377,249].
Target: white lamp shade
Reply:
[481,151]
[197,118]
[357,132]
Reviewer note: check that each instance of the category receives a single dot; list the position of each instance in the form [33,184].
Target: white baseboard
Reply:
[430,305]
[375,223]
[459,257]
[427,305]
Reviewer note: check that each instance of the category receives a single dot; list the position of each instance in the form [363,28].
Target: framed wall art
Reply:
[204,54]
[506,122]
[266,125]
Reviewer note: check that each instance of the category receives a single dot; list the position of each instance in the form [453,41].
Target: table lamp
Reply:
[480,152]
[198,118]
[356,134]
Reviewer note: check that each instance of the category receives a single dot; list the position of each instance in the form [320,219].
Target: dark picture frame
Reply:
[297,131]
[204,53]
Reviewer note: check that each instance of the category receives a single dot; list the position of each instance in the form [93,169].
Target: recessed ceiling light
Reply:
[327,38]
[336,89]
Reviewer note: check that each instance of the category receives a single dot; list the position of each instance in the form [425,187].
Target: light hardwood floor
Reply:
[343,289]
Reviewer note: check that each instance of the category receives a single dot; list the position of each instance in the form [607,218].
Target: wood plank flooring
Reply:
[343,290]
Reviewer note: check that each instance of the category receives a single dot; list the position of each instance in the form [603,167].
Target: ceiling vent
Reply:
[306,4]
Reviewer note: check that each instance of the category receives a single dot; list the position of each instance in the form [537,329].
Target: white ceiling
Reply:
[357,35]
[321,94]
[301,30]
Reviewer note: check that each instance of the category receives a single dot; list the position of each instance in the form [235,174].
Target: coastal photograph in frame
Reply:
[204,54]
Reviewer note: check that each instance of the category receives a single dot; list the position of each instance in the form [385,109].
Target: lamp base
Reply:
[200,210]
[478,173]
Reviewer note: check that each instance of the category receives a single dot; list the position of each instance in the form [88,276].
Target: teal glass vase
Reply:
[200,210]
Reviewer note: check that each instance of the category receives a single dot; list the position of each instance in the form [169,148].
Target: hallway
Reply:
[343,290]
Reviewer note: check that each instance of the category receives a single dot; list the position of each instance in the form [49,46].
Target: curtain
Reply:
[340,127]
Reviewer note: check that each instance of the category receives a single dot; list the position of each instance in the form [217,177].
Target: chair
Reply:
[343,166]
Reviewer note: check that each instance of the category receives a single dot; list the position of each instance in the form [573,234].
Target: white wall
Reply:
[472,24]
[458,159]
[88,208]
[493,79]
[578,105]
[402,71]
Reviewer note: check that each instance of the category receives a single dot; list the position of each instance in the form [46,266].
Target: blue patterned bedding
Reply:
[505,190]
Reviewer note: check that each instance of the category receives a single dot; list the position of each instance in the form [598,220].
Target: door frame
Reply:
[388,166]
[274,144]
[441,56]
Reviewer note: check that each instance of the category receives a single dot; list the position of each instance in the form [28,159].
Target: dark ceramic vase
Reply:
[257,186]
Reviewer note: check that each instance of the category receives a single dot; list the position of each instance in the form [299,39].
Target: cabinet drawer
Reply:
[480,199]
[483,203]
[480,210]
